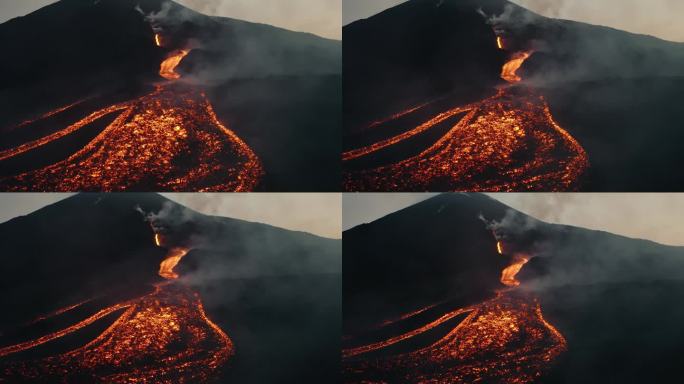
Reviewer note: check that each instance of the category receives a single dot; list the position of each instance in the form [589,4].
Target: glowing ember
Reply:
[168,66]
[507,142]
[508,72]
[499,247]
[157,39]
[499,42]
[157,240]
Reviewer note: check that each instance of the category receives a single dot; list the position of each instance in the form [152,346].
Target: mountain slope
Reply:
[91,54]
[430,265]
[249,276]
[408,64]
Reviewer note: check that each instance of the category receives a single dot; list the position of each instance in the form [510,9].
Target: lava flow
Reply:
[504,340]
[162,337]
[168,140]
[507,142]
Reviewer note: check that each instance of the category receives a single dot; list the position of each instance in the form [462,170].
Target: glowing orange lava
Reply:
[168,66]
[503,340]
[157,39]
[162,337]
[172,259]
[507,142]
[509,70]
[499,247]
[509,273]
[499,42]
[168,140]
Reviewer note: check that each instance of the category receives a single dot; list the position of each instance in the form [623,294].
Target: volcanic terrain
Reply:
[148,95]
[461,288]
[121,288]
[484,95]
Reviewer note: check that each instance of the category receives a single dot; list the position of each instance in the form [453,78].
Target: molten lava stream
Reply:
[506,142]
[168,140]
[161,337]
[504,340]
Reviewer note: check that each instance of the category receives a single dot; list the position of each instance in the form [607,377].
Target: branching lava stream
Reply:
[502,340]
[507,142]
[162,337]
[168,140]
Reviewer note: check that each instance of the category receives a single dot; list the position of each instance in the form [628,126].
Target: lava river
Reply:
[503,340]
[507,142]
[162,337]
[168,140]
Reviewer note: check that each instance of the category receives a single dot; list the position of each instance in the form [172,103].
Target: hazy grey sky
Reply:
[317,213]
[660,18]
[321,17]
[653,216]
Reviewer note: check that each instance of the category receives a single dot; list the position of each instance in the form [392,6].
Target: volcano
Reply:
[462,288]
[151,96]
[99,293]
[484,95]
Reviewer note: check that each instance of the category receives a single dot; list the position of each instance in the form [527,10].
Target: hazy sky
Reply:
[660,18]
[652,216]
[317,213]
[321,17]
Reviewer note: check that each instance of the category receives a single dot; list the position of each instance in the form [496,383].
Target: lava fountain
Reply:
[507,142]
[505,340]
[168,140]
[162,337]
